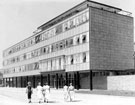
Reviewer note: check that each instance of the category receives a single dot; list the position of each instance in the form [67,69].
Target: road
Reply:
[17,96]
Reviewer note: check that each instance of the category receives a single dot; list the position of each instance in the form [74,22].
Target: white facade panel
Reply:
[77,67]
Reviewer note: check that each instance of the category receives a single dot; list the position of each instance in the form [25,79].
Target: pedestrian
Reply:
[46,89]
[29,91]
[66,94]
[44,92]
[39,92]
[71,92]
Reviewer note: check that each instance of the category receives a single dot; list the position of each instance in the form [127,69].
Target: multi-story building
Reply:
[83,45]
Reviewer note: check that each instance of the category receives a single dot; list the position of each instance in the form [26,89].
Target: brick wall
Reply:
[111,40]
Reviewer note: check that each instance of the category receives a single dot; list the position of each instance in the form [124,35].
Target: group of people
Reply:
[43,93]
[69,92]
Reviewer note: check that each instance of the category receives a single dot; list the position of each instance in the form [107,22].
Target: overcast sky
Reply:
[19,18]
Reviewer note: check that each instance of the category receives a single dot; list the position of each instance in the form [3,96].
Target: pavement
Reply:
[17,96]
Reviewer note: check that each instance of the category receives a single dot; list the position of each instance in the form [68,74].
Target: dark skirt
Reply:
[29,95]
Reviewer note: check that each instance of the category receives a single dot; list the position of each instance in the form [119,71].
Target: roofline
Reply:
[104,4]
[84,2]
[63,13]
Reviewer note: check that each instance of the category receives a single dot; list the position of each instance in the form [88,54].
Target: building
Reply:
[83,45]
[1,78]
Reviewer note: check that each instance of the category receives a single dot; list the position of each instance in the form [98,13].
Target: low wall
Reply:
[126,82]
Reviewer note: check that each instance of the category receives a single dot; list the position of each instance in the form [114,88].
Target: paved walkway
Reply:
[17,96]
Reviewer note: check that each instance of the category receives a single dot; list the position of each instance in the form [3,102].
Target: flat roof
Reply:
[76,9]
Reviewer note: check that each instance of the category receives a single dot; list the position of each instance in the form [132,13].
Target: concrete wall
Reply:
[121,83]
[111,40]
[99,82]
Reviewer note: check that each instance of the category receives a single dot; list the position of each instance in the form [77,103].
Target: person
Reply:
[46,89]
[39,92]
[44,92]
[71,92]
[29,91]
[65,89]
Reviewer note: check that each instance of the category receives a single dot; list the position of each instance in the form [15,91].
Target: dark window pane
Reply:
[84,39]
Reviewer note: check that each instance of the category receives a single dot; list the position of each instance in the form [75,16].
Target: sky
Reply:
[20,18]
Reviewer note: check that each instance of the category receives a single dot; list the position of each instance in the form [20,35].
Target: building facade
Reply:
[83,45]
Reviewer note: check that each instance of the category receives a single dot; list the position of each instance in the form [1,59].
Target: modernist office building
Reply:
[83,45]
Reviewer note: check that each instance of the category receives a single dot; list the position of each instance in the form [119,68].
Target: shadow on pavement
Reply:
[45,102]
[74,101]
[52,102]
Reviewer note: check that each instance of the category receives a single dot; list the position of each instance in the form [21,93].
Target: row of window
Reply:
[52,64]
[76,40]
[74,22]
[23,68]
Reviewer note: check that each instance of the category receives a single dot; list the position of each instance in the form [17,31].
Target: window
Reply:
[49,65]
[61,45]
[17,59]
[35,53]
[65,26]
[62,62]
[77,58]
[84,57]
[22,68]
[47,49]
[32,53]
[71,59]
[77,40]
[71,23]
[54,64]
[57,46]
[87,15]
[70,42]
[59,29]
[84,17]
[87,56]
[32,41]
[50,48]
[37,38]
[77,21]
[24,56]
[52,31]
[84,39]
[80,19]
[57,64]
[45,35]
[43,50]
[36,66]
[28,55]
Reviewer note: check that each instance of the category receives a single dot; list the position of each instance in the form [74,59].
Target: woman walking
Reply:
[44,92]
[29,91]
[66,95]
[71,92]
[39,92]
[46,89]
